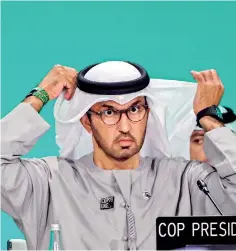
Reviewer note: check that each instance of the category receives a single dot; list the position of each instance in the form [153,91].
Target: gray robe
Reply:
[38,192]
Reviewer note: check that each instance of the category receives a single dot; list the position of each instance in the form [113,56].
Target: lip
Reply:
[125,142]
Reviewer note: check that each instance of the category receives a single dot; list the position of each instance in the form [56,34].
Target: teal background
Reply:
[168,38]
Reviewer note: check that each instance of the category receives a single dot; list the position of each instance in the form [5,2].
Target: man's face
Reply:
[196,146]
[122,140]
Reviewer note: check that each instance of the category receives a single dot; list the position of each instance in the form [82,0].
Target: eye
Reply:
[198,141]
[109,113]
[134,109]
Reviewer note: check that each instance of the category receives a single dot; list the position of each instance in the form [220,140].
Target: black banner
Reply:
[177,232]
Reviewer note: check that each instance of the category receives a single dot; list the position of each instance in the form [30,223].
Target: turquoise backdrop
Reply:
[168,38]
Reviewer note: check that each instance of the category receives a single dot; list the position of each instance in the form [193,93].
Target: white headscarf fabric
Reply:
[170,123]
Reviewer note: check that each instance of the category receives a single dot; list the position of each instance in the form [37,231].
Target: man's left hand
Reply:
[209,91]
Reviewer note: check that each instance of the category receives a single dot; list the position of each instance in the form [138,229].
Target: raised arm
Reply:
[24,182]
[220,148]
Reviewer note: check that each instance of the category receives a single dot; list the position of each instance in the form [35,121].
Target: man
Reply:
[197,137]
[110,198]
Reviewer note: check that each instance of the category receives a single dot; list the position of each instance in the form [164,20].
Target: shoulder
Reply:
[179,166]
[57,164]
[72,165]
[177,163]
[166,168]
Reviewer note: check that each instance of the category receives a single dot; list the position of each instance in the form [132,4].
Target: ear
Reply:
[85,121]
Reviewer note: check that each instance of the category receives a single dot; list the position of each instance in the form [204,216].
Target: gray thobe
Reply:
[38,192]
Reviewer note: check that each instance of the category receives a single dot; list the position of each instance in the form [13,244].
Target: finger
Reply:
[216,78]
[71,71]
[66,96]
[72,93]
[74,80]
[70,90]
[72,75]
[198,77]
[59,69]
[74,86]
[209,76]
[68,93]
[217,81]
[204,75]
[70,68]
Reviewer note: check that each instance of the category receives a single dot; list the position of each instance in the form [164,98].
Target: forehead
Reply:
[111,103]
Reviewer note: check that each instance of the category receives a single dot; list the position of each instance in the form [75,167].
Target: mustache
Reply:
[125,136]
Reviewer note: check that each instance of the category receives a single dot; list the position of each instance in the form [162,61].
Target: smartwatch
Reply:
[39,93]
[212,111]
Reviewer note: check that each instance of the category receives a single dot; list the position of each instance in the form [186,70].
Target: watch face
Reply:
[218,112]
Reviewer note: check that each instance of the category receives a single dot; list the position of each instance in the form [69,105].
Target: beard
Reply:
[116,151]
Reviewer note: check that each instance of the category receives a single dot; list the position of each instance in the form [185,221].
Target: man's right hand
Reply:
[58,79]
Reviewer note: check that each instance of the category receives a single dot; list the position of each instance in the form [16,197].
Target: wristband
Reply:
[39,93]
[212,111]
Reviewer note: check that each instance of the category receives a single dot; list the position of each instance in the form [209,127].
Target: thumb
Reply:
[68,93]
[67,90]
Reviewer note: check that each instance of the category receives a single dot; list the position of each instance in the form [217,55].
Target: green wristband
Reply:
[42,95]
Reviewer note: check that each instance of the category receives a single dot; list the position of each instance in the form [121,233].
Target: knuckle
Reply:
[58,68]
[60,71]
[213,70]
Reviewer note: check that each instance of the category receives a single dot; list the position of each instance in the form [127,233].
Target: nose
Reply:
[124,124]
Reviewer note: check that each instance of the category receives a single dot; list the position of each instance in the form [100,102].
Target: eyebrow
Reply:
[112,107]
[197,133]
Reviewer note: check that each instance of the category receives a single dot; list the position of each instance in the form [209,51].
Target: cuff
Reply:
[220,149]
[22,127]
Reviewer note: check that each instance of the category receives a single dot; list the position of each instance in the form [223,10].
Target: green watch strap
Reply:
[41,94]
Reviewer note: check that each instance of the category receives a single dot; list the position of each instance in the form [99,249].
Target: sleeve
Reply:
[24,182]
[219,174]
